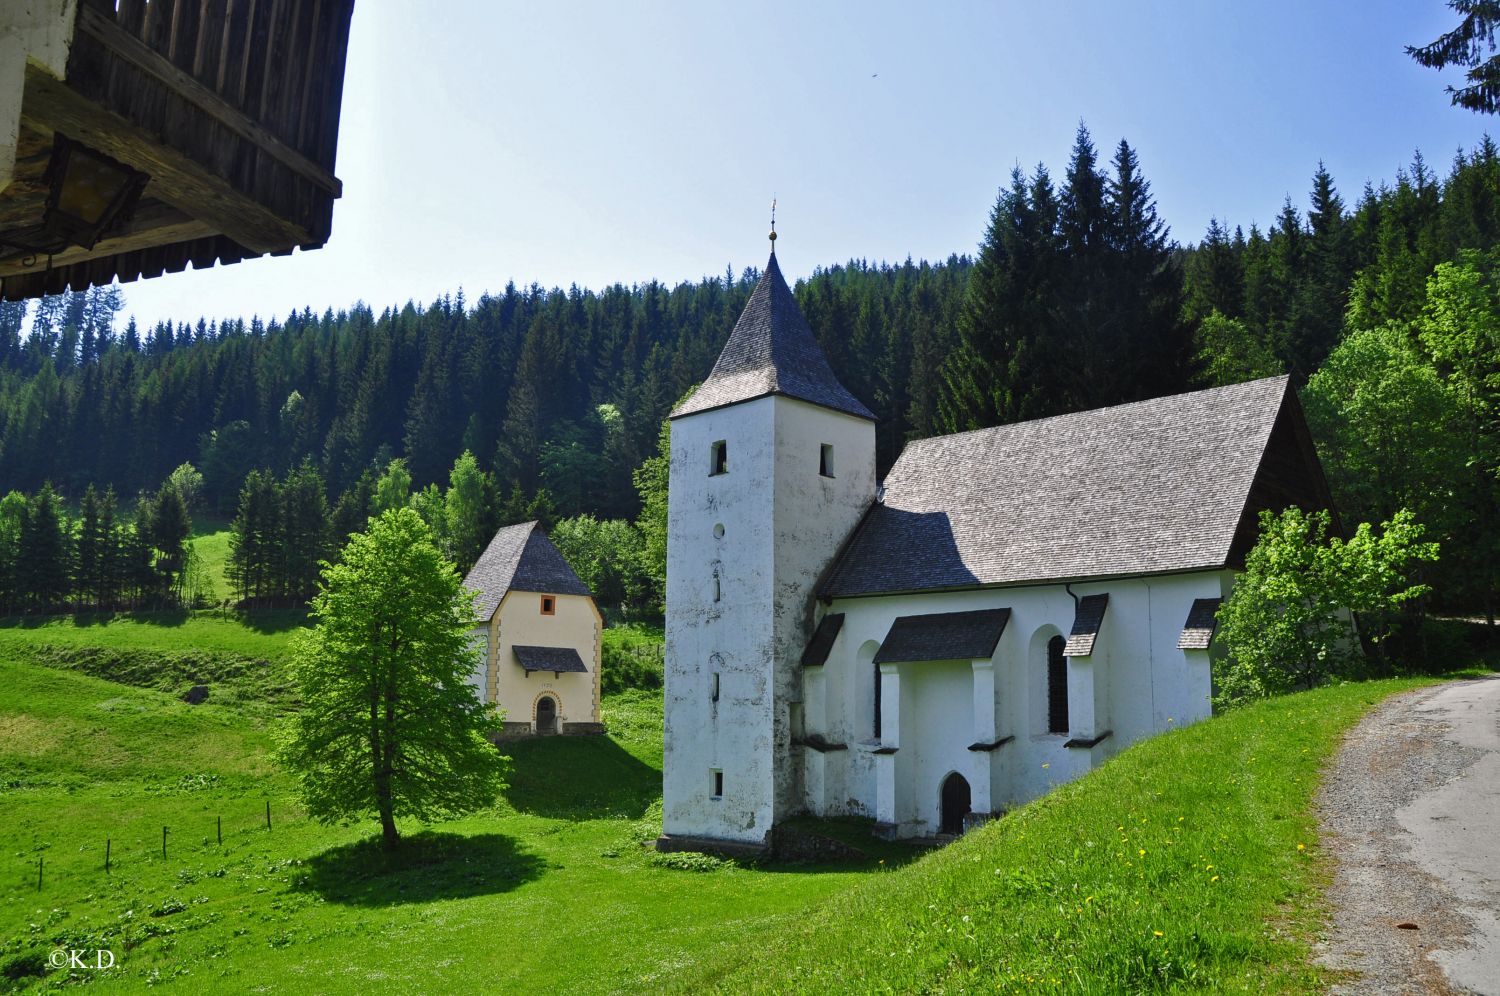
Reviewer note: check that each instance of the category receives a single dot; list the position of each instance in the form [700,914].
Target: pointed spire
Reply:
[772,351]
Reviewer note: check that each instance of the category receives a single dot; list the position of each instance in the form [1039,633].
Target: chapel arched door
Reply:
[546,715]
[955,803]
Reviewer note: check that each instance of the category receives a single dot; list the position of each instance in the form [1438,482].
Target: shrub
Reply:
[1288,623]
[632,658]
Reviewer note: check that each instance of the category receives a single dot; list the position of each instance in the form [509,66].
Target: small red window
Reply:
[549,605]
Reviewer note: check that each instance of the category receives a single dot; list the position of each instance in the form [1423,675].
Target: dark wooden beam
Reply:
[50,105]
[154,224]
[140,55]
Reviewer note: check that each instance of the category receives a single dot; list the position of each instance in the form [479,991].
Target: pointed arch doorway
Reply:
[955,803]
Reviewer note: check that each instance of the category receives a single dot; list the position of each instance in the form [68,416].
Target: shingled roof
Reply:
[521,558]
[772,351]
[1167,485]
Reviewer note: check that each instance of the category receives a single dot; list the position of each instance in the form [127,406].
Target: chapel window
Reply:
[718,462]
[825,460]
[1057,686]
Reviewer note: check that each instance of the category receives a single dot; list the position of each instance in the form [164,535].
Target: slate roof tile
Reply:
[520,558]
[549,659]
[821,643]
[1086,623]
[1202,620]
[1144,488]
[943,636]
[772,351]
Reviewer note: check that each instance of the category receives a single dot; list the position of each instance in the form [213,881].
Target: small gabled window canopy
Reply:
[1202,621]
[1086,623]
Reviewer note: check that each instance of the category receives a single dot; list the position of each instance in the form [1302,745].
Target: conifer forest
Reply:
[1383,304]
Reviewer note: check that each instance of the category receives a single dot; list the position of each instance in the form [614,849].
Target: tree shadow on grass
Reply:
[268,621]
[425,867]
[579,777]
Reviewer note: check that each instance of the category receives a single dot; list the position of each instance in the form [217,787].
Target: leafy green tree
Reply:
[390,726]
[607,556]
[1229,353]
[651,480]
[393,489]
[1389,430]
[468,510]
[1286,626]
[189,484]
[1470,46]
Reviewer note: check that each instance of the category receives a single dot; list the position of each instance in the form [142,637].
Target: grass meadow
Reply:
[1189,863]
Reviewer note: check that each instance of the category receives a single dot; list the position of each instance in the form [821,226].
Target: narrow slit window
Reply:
[877,701]
[1057,686]
[825,460]
[549,605]
[716,781]
[714,687]
[718,588]
[718,462]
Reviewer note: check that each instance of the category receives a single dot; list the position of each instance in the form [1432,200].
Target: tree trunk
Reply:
[388,834]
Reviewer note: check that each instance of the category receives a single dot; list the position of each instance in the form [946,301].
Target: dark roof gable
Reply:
[1150,487]
[520,558]
[772,351]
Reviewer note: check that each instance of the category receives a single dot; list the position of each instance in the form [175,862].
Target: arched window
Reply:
[877,700]
[1057,686]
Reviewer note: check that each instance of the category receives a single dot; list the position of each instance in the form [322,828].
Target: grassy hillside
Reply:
[550,891]
[1188,863]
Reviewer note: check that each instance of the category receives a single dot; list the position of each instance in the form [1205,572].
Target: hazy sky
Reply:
[591,143]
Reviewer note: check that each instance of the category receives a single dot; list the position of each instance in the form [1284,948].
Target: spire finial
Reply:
[773,226]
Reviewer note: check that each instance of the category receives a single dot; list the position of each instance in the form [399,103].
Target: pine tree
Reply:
[44,567]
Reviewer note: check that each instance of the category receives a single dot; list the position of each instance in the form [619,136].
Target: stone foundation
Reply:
[668,843]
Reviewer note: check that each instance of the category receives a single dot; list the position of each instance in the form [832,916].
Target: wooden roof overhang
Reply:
[230,107]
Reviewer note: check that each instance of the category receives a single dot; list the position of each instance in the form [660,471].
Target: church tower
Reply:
[772,465]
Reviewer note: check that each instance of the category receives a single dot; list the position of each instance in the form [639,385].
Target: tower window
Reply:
[877,701]
[1057,686]
[718,589]
[716,783]
[825,460]
[718,459]
[549,605]
[714,687]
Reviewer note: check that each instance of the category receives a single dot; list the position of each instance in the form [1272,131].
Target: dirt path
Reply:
[1411,810]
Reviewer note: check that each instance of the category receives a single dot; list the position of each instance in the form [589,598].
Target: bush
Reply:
[632,658]
[1288,624]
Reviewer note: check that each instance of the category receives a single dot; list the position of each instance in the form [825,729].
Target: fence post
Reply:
[221,830]
[107,842]
[39,860]
[163,842]
[268,814]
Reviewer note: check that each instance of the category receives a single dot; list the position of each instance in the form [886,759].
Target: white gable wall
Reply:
[1134,684]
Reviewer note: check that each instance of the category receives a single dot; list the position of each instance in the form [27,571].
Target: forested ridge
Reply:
[1077,298]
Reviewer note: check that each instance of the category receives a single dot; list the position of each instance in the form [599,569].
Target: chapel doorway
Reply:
[955,803]
[546,715]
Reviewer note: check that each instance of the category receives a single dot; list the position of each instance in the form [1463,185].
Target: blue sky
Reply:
[597,142]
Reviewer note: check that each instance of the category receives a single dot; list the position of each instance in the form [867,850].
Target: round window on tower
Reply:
[718,530]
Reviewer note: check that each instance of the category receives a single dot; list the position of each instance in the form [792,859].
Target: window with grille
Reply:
[1057,686]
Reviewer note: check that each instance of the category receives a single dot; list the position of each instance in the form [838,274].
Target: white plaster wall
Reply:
[730,636]
[1144,685]
[782,523]
[518,620]
[35,32]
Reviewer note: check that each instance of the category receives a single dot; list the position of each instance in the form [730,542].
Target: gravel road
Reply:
[1411,811]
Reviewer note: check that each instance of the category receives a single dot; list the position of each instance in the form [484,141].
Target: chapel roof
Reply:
[772,351]
[521,558]
[1162,486]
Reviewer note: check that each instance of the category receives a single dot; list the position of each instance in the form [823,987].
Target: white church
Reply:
[1007,610]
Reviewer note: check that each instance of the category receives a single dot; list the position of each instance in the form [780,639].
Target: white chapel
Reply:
[1008,609]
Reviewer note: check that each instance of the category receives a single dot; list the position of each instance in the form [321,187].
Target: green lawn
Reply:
[1174,868]
[550,891]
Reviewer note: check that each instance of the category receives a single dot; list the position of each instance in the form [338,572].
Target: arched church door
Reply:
[955,803]
[546,715]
